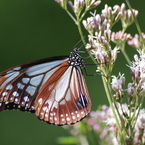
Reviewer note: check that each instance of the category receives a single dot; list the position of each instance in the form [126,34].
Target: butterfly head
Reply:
[75,59]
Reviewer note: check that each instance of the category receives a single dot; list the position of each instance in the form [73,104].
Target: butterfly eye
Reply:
[52,88]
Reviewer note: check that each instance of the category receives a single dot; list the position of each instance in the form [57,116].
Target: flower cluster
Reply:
[137,88]
[100,35]
[107,127]
[120,123]
[79,5]
[118,84]
[108,18]
[130,117]
[118,37]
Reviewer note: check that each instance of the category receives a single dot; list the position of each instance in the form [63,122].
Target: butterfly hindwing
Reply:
[67,100]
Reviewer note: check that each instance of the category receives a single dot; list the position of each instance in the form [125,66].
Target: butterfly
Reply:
[53,88]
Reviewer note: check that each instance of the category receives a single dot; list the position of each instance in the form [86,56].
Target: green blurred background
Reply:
[35,29]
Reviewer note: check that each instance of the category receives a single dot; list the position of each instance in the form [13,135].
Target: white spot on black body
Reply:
[26,99]
[16,94]
[4,94]
[9,87]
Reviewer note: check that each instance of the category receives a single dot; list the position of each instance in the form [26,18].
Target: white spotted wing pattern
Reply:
[52,88]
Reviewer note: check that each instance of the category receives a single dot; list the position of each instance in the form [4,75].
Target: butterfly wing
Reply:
[51,88]
[19,85]
[64,98]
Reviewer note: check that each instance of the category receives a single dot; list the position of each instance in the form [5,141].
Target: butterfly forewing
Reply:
[21,84]
[53,88]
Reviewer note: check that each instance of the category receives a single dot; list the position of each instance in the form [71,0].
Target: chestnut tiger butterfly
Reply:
[53,88]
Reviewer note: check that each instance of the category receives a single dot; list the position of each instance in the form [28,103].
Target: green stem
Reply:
[107,88]
[89,136]
[73,18]
[126,56]
[80,31]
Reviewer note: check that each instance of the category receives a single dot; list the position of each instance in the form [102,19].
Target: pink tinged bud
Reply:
[97,19]
[135,41]
[142,67]
[116,85]
[122,80]
[116,36]
[107,34]
[101,56]
[128,36]
[88,46]
[91,41]
[105,10]
[135,12]
[81,3]
[116,9]
[142,119]
[143,35]
[136,58]
[104,108]
[142,77]
[135,72]
[119,15]
[85,23]
[59,1]
[114,54]
[123,7]
[130,90]
[128,14]
[78,5]
[142,56]
[71,5]
[109,12]
[113,36]
[96,3]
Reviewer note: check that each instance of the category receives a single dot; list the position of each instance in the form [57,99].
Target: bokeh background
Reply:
[35,29]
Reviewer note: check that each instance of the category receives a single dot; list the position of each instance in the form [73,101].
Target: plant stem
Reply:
[107,88]
[71,16]
[126,56]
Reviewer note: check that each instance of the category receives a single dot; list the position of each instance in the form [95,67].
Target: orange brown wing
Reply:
[64,97]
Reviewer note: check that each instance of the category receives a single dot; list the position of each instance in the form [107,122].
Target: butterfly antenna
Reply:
[79,42]
[83,36]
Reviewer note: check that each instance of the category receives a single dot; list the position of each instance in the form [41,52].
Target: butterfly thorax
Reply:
[75,59]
